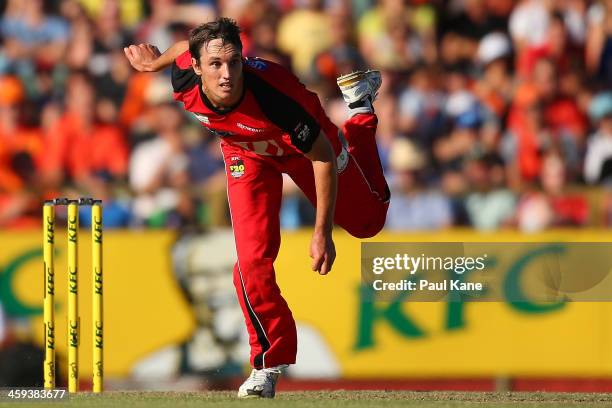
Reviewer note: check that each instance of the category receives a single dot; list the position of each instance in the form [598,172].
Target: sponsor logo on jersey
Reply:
[302,131]
[202,118]
[257,64]
[249,128]
[236,167]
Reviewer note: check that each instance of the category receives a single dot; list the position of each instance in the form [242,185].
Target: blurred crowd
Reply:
[492,113]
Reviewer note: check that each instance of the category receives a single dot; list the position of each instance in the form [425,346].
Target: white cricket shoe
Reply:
[360,89]
[261,383]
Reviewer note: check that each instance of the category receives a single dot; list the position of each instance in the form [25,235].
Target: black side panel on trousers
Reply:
[261,334]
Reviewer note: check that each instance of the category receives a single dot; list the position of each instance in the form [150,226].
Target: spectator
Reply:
[81,147]
[207,173]
[420,106]
[598,160]
[106,63]
[264,42]
[342,57]
[599,41]
[31,37]
[529,23]
[80,43]
[542,117]
[302,34]
[21,148]
[159,172]
[454,185]
[553,206]
[569,209]
[556,47]
[494,87]
[491,205]
[462,32]
[163,14]
[388,40]
[413,207]
[450,150]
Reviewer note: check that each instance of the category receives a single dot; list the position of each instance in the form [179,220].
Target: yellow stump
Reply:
[97,294]
[73,297]
[49,290]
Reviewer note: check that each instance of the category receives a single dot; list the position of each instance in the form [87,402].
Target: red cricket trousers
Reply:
[254,185]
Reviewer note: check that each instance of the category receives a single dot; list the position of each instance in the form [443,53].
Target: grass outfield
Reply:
[315,399]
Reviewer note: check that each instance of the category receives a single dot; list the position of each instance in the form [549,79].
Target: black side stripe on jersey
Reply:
[284,112]
[183,79]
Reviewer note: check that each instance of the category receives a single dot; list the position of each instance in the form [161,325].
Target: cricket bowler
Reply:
[268,124]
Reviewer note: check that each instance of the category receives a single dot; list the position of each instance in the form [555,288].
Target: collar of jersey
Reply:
[218,111]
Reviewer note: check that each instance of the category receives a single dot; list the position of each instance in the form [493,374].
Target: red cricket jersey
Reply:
[277,115]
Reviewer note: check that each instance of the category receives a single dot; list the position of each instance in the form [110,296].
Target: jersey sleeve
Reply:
[286,102]
[184,79]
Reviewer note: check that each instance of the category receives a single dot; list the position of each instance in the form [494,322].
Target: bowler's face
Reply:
[220,67]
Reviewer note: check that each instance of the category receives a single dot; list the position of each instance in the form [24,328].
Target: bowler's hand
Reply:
[322,252]
[142,56]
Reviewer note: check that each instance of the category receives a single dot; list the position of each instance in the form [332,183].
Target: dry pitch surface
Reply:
[316,399]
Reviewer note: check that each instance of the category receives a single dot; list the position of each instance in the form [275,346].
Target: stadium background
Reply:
[495,125]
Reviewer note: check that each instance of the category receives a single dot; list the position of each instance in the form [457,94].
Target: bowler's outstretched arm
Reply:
[147,58]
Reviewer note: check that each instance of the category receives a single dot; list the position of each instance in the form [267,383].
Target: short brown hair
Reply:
[224,28]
